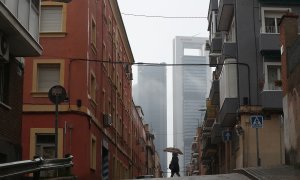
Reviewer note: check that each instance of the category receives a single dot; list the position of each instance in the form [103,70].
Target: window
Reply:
[93,153]
[4,81]
[93,87]
[48,76]
[45,145]
[103,101]
[272,76]
[45,148]
[271,18]
[53,17]
[104,56]
[42,142]
[93,33]
[230,37]
[104,11]
[47,73]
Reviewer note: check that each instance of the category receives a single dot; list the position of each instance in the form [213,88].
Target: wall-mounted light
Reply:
[239,130]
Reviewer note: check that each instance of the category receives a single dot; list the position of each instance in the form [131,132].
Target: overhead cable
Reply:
[167,17]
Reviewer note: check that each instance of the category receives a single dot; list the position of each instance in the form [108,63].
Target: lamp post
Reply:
[56,94]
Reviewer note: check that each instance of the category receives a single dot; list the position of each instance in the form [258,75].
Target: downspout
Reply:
[238,77]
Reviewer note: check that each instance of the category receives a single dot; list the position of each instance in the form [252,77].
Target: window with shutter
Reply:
[46,73]
[53,18]
[48,76]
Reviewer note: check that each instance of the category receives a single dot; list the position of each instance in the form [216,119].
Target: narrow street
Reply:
[233,176]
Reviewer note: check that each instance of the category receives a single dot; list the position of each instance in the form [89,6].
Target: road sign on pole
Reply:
[227,135]
[257,121]
[57,94]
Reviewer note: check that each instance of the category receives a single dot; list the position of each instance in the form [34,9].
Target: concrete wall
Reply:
[269,143]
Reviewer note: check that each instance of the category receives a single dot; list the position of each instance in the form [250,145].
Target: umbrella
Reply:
[173,150]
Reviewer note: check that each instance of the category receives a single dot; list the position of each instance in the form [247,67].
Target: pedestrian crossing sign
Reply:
[257,121]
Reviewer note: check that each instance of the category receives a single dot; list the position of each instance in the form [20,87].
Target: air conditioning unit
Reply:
[207,45]
[4,48]
[107,120]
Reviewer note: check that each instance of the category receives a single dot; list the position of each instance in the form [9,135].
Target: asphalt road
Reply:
[232,176]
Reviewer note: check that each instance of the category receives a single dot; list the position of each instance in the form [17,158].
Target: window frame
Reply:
[266,84]
[93,33]
[36,62]
[35,131]
[63,31]
[4,83]
[93,152]
[273,10]
[93,87]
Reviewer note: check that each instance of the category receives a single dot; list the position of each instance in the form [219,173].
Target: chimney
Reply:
[289,29]
[288,35]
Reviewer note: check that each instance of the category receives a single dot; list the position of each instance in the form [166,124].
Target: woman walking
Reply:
[174,166]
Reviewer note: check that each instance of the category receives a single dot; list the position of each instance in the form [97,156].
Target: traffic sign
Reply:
[257,121]
[227,135]
[57,94]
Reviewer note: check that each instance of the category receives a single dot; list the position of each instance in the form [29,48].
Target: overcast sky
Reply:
[151,39]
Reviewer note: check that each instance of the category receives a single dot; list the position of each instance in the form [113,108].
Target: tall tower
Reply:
[190,84]
[150,93]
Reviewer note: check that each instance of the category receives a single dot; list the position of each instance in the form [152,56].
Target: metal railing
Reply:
[59,168]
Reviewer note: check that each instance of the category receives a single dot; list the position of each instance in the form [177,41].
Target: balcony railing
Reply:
[272,29]
[38,167]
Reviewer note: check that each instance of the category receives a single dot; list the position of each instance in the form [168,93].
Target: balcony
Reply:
[209,149]
[216,136]
[214,94]
[20,27]
[271,100]
[216,45]
[225,14]
[269,43]
[229,50]
[280,1]
[213,6]
[227,114]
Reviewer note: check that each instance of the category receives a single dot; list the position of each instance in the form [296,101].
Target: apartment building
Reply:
[19,37]
[289,38]
[86,51]
[245,51]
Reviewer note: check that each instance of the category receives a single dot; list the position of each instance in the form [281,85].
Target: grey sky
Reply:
[151,39]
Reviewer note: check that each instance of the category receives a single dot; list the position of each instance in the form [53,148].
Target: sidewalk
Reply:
[271,173]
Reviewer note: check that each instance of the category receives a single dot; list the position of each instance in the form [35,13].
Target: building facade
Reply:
[246,82]
[90,57]
[289,39]
[150,92]
[190,83]
[19,37]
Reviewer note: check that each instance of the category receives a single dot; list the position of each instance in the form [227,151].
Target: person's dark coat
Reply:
[174,166]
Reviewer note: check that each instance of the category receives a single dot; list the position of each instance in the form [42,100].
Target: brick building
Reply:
[18,38]
[86,51]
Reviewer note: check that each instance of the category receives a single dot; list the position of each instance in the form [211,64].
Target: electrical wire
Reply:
[165,17]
